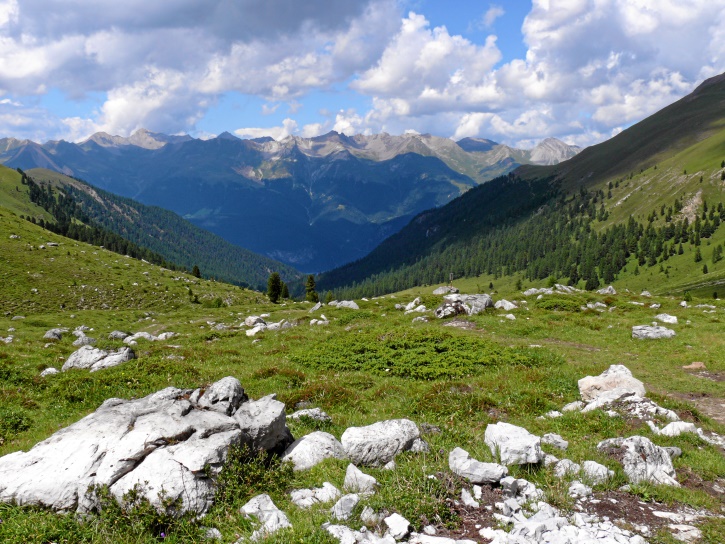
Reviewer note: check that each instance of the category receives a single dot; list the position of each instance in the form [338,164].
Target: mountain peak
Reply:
[552,151]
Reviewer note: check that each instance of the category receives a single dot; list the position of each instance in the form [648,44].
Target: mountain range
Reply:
[313,203]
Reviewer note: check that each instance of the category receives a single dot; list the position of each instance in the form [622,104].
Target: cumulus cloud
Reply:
[493,13]
[592,67]
[162,64]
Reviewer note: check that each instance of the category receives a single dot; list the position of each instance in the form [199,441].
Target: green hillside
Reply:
[618,211]
[175,239]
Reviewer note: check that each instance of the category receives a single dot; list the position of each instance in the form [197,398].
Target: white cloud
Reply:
[288,128]
[493,13]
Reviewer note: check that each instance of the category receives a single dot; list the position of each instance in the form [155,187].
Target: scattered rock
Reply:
[642,460]
[446,290]
[607,291]
[651,332]
[513,445]
[50,371]
[555,440]
[578,489]
[312,449]
[356,481]
[379,443]
[505,305]
[271,517]
[54,334]
[351,304]
[595,473]
[617,379]
[462,464]
[93,359]
[263,424]
[315,307]
[118,335]
[666,318]
[313,413]
[398,526]
[450,309]
[343,508]
[566,467]
[253,320]
[304,498]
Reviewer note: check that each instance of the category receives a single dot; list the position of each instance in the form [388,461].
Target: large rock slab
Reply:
[164,445]
[651,332]
[445,290]
[474,303]
[379,443]
[642,460]
[93,359]
[450,309]
[513,445]
[616,381]
[264,424]
[462,464]
[310,450]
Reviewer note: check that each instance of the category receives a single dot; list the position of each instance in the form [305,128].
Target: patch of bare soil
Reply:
[628,510]
[712,376]
[712,407]
[471,519]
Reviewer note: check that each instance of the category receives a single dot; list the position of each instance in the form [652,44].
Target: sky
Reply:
[514,71]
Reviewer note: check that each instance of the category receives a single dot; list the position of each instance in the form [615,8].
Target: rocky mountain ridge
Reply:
[313,203]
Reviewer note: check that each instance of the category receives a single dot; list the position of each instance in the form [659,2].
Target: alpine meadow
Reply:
[465,287]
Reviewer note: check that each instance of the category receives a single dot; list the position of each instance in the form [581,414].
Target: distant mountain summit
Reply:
[141,138]
[312,203]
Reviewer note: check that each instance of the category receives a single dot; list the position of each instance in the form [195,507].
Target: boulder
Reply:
[445,290]
[566,467]
[261,327]
[607,291]
[161,442]
[505,305]
[309,450]
[462,464]
[412,305]
[315,307]
[513,445]
[54,334]
[90,358]
[263,424]
[379,443]
[642,460]
[617,379]
[356,481]
[450,309]
[651,332]
[475,304]
[118,335]
[351,304]
[272,519]
[84,341]
[50,371]
[253,320]
[667,318]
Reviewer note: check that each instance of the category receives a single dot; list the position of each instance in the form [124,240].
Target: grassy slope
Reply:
[286,363]
[176,239]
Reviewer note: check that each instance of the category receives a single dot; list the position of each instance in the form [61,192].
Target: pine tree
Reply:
[698,255]
[285,290]
[310,293]
[704,269]
[274,287]
[196,272]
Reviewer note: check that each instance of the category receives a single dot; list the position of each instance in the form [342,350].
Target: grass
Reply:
[458,380]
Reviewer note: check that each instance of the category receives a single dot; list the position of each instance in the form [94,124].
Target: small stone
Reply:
[555,440]
[357,481]
[344,507]
[398,526]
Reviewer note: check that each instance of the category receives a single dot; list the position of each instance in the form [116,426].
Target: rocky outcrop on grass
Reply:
[168,441]
[651,332]
[94,359]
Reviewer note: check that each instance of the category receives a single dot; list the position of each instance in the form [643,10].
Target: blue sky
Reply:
[513,71]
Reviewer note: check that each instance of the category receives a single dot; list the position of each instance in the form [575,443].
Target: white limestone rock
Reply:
[344,507]
[312,449]
[398,526]
[263,424]
[643,461]
[616,378]
[379,443]
[505,305]
[651,332]
[462,464]
[595,473]
[555,440]
[316,414]
[474,304]
[90,358]
[513,445]
[304,498]
[272,519]
[356,481]
[666,318]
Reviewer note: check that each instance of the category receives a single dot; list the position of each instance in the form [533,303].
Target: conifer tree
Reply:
[274,287]
[310,293]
